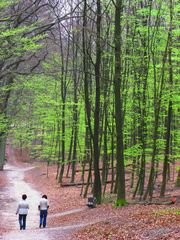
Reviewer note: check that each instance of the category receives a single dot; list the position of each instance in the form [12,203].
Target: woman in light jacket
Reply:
[22,210]
[43,208]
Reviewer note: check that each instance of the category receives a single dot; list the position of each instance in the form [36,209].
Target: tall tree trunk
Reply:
[64,69]
[75,107]
[169,116]
[112,155]
[97,181]
[4,97]
[118,105]
[157,108]
[89,133]
[106,83]
[75,123]
[105,155]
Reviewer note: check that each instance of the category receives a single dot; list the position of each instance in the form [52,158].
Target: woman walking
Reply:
[43,208]
[22,210]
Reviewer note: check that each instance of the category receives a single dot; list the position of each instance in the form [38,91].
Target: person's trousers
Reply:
[43,217]
[22,221]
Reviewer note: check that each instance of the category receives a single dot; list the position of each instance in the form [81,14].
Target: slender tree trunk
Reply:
[75,39]
[97,181]
[4,97]
[89,174]
[2,150]
[112,155]
[157,107]
[119,105]
[89,133]
[64,67]
[63,145]
[58,147]
[106,83]
[70,153]
[85,69]
[105,155]
[169,116]
[74,156]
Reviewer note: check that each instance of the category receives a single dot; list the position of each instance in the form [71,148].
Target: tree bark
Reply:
[2,150]
[170,109]
[118,105]
[97,180]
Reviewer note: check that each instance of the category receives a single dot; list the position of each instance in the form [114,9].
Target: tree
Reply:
[170,105]
[101,96]
[120,168]
[17,46]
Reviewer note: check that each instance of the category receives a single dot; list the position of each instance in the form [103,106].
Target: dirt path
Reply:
[15,188]
[10,196]
[62,233]
[68,214]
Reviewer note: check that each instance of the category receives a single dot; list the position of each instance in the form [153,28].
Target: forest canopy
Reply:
[93,84]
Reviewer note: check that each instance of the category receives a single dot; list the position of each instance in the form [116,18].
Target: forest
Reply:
[92,87]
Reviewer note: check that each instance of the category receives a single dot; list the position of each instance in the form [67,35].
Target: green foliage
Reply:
[13,32]
[120,203]
[133,151]
[143,11]
[16,40]
[3,123]
[36,102]
[6,3]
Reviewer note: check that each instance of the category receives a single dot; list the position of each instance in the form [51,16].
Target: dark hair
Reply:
[44,196]
[24,196]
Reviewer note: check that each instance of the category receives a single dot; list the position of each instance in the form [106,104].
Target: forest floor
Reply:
[69,218]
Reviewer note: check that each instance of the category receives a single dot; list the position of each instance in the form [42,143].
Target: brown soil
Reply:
[3,184]
[134,222]
[130,222]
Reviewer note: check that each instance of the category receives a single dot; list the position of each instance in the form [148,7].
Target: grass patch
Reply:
[121,203]
[171,211]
